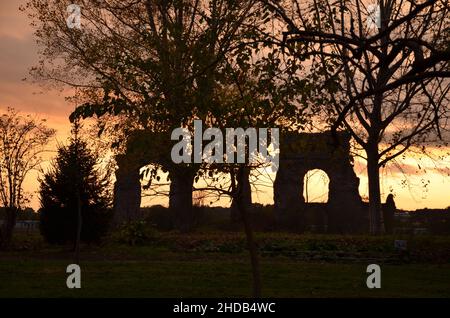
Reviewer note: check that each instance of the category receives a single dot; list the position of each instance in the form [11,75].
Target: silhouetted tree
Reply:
[385,71]
[155,62]
[73,193]
[22,142]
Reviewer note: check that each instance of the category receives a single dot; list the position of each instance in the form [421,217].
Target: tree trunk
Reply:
[180,199]
[373,174]
[253,249]
[8,227]
[246,197]
[78,237]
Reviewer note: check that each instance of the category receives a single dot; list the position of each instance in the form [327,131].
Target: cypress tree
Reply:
[74,195]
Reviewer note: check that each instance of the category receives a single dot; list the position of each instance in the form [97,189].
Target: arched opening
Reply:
[316,186]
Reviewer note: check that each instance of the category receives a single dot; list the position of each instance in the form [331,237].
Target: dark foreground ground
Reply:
[217,265]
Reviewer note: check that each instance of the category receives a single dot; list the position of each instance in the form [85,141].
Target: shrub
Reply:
[135,233]
[160,216]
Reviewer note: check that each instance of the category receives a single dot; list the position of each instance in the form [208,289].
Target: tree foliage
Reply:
[22,144]
[73,180]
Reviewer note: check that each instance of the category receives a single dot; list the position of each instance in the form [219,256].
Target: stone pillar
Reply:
[180,197]
[345,214]
[288,196]
[127,192]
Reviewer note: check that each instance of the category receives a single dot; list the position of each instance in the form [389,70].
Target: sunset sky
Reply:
[18,53]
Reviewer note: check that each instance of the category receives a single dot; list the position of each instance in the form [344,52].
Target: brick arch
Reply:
[144,148]
[299,153]
[302,152]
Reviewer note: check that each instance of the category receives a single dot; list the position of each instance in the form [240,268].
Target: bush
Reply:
[135,233]
[160,216]
[58,225]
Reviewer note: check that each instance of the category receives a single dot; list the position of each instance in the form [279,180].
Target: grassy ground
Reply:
[212,278]
[216,265]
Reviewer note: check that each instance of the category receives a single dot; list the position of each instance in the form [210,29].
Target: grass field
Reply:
[206,265]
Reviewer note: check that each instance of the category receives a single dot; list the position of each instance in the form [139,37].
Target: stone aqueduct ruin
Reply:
[299,153]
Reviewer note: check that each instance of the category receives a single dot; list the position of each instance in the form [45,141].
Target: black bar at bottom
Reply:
[220,307]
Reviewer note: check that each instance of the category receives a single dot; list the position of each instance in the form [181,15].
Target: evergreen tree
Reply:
[74,196]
